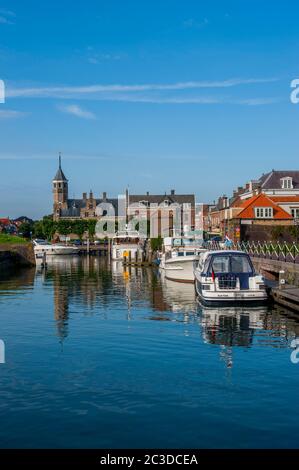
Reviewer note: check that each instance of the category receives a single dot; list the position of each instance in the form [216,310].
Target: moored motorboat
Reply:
[127,243]
[43,246]
[178,258]
[228,276]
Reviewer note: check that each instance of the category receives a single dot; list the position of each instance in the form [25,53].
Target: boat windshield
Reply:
[126,241]
[225,264]
[41,242]
[221,264]
[241,264]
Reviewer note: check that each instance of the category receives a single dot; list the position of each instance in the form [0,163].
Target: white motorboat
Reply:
[127,243]
[179,256]
[43,246]
[228,276]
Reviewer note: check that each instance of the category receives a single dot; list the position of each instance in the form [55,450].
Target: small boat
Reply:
[127,243]
[43,246]
[179,256]
[228,276]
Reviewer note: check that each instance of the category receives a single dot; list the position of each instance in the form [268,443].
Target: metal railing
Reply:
[279,251]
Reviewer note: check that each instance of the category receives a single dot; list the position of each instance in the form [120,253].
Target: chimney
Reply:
[104,196]
[172,192]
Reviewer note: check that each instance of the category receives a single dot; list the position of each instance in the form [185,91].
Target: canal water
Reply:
[101,357]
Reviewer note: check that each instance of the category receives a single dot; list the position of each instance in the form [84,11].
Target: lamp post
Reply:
[296,223]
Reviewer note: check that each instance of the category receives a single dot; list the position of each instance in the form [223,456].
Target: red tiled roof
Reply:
[279,199]
[4,221]
[261,200]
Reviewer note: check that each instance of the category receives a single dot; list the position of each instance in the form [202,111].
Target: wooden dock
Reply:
[288,296]
[94,250]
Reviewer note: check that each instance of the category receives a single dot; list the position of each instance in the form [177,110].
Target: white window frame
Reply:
[287,182]
[295,212]
[263,212]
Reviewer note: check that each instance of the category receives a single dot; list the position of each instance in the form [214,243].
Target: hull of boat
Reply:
[231,297]
[179,270]
[118,253]
[52,251]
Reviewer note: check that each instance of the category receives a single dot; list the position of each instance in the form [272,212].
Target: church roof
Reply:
[60,176]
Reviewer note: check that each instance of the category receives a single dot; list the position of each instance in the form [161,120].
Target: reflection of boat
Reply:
[127,243]
[42,246]
[232,326]
[179,256]
[178,297]
[228,276]
[228,327]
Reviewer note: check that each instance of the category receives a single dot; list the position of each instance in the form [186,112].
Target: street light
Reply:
[296,223]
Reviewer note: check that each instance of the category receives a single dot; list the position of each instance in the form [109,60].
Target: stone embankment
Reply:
[16,255]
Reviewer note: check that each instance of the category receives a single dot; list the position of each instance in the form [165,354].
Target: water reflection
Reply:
[139,353]
[99,286]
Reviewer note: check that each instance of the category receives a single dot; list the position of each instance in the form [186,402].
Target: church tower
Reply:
[60,192]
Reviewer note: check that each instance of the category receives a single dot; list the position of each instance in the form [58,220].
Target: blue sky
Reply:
[191,95]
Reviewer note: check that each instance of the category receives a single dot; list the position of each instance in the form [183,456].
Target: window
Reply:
[295,213]
[241,264]
[287,182]
[143,203]
[221,264]
[264,212]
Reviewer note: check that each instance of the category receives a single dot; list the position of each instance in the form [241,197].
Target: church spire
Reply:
[60,176]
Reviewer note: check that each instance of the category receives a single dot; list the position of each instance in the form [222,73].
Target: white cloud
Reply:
[161,100]
[98,58]
[77,111]
[193,23]
[71,91]
[11,114]
[6,16]
[257,101]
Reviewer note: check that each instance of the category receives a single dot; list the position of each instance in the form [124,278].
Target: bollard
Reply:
[282,280]
[130,257]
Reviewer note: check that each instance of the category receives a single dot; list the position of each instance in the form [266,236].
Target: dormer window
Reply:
[143,203]
[287,182]
[264,212]
[166,203]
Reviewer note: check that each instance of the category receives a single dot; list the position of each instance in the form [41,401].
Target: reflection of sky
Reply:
[139,354]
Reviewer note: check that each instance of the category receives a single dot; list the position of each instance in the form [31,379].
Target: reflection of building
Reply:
[61,308]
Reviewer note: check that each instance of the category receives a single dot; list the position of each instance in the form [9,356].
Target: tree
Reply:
[26,229]
[91,227]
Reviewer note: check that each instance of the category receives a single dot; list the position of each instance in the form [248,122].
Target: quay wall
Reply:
[270,269]
[16,255]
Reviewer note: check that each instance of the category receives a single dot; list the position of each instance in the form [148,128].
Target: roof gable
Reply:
[272,180]
[261,200]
